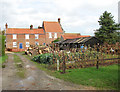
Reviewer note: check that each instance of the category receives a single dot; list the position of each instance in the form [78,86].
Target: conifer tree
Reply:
[107,31]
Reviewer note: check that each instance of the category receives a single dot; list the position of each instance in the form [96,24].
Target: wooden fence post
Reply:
[53,58]
[64,66]
[57,65]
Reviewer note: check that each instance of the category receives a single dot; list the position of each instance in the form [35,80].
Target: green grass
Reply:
[20,70]
[21,73]
[3,59]
[106,77]
[20,52]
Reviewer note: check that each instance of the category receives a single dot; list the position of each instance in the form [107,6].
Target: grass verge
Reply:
[3,59]
[106,77]
[20,52]
[19,65]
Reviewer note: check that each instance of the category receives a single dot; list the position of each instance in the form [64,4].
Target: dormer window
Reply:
[26,36]
[55,35]
[50,35]
[14,36]
[36,36]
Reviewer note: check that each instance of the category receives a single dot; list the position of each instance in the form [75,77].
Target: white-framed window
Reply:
[55,35]
[27,44]
[36,43]
[36,36]
[14,44]
[50,35]
[14,36]
[26,36]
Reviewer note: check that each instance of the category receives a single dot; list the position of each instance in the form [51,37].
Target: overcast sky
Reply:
[77,16]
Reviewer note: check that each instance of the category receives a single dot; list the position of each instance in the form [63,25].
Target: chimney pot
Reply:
[58,20]
[6,26]
[31,27]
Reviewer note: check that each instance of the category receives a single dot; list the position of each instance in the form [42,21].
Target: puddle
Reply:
[27,66]
[26,83]
[30,78]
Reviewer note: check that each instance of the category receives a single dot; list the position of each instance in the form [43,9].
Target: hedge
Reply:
[2,45]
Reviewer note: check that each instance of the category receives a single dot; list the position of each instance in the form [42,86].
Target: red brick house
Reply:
[53,30]
[18,39]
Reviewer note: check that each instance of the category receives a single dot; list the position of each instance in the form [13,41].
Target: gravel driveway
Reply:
[35,79]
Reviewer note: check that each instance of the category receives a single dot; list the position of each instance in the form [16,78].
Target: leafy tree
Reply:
[107,31]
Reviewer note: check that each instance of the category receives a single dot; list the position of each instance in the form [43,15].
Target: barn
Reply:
[77,42]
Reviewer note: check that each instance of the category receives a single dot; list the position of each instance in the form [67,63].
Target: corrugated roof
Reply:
[67,41]
[24,31]
[77,40]
[83,40]
[52,26]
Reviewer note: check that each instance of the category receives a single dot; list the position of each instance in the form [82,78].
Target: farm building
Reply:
[72,36]
[77,42]
[19,39]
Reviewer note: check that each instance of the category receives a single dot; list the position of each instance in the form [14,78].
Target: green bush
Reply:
[57,40]
[2,45]
[44,58]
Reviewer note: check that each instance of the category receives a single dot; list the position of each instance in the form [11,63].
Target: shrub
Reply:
[44,58]
[2,43]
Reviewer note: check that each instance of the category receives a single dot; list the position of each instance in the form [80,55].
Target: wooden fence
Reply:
[80,59]
[84,57]
[85,63]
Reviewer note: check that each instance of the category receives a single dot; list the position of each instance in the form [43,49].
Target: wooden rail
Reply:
[99,59]
[97,62]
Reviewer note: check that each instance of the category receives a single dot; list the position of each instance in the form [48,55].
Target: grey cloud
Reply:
[81,18]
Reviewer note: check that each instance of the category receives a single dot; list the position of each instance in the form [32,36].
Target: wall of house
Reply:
[8,41]
[41,39]
[21,39]
[49,40]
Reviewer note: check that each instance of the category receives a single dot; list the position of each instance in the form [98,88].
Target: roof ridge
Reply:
[50,21]
[24,28]
[72,33]
[18,28]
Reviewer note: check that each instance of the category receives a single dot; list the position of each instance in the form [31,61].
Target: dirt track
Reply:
[35,79]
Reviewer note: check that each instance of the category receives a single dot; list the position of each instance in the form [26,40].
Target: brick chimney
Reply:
[58,20]
[31,27]
[6,26]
